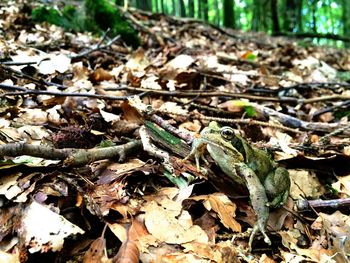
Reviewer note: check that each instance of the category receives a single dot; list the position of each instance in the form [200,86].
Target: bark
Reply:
[200,9]
[174,7]
[191,8]
[346,20]
[229,18]
[182,8]
[205,10]
[292,15]
[144,5]
[274,15]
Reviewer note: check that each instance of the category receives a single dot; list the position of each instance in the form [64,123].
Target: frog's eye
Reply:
[227,133]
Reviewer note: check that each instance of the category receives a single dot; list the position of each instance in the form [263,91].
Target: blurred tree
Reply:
[274,16]
[174,7]
[205,10]
[182,8]
[260,15]
[191,8]
[162,9]
[313,6]
[229,17]
[290,16]
[144,4]
[314,19]
[216,12]
[200,9]
[346,19]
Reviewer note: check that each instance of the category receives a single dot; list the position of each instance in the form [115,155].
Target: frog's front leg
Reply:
[197,151]
[258,199]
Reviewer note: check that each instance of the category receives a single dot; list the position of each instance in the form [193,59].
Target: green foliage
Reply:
[178,181]
[97,17]
[107,16]
[341,113]
[69,18]
[105,143]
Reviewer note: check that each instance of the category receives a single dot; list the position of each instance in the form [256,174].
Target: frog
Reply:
[267,183]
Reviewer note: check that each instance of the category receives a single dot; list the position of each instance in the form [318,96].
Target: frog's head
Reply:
[228,134]
[225,137]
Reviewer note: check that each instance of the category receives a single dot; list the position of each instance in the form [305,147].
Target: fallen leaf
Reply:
[44,230]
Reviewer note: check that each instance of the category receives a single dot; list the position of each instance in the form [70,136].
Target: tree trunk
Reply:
[256,15]
[200,9]
[182,8]
[191,8]
[156,6]
[346,20]
[314,20]
[205,10]
[274,15]
[174,7]
[144,5]
[300,15]
[290,16]
[229,17]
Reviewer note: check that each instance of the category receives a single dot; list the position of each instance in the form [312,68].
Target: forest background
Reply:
[324,22]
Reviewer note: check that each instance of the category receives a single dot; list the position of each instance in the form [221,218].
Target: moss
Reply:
[107,16]
[98,16]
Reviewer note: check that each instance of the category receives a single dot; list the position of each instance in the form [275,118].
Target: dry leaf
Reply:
[304,184]
[224,207]
[173,227]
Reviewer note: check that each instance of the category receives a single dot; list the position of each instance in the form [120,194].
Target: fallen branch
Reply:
[70,156]
[98,47]
[24,91]
[10,71]
[297,123]
[336,203]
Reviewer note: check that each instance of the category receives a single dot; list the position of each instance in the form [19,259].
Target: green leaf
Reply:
[250,111]
[105,143]
[6,164]
[176,180]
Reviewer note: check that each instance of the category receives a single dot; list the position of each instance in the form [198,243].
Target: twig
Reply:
[325,98]
[25,91]
[70,156]
[325,138]
[336,203]
[103,37]
[331,108]
[23,75]
[295,122]
[98,47]
[13,63]
[250,122]
[194,93]
[328,85]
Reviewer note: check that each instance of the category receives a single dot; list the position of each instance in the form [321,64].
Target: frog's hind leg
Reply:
[258,227]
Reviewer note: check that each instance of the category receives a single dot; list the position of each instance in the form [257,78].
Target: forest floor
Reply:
[78,184]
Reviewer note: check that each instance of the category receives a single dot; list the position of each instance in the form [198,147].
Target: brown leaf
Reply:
[222,205]
[100,75]
[95,253]
[128,253]
[131,114]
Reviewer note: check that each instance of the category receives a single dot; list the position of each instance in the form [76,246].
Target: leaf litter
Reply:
[61,91]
